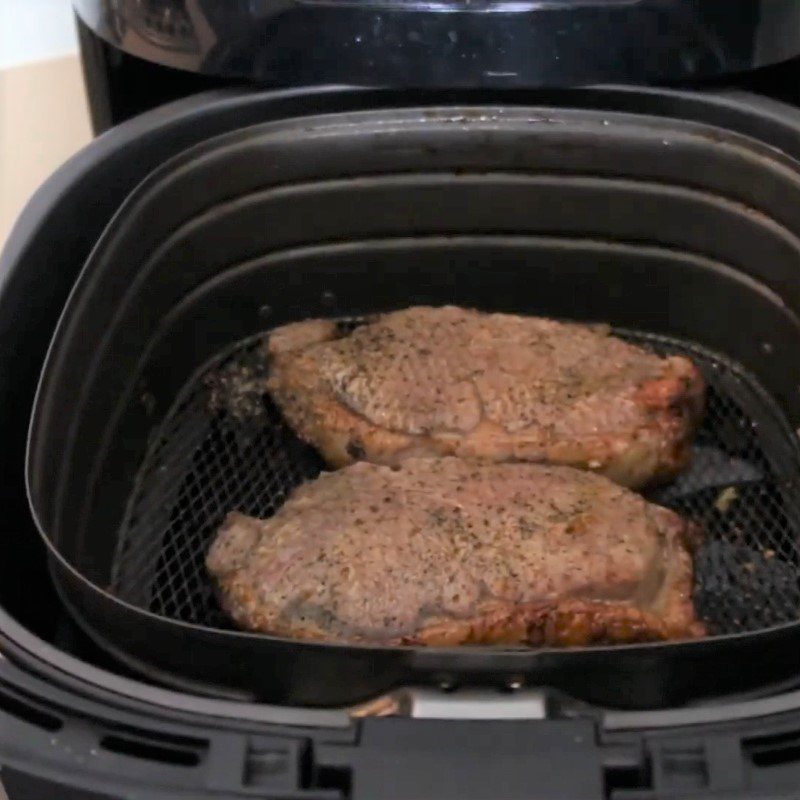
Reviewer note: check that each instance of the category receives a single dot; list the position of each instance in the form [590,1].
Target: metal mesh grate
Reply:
[224,446]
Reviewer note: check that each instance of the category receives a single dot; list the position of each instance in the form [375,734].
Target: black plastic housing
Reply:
[669,226]
[452,43]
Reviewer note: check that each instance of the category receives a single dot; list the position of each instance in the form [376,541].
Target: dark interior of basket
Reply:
[224,447]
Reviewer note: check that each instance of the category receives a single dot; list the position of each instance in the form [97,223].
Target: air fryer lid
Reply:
[452,42]
[502,208]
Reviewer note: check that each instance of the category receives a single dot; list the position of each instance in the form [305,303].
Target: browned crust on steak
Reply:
[446,552]
[487,386]
[565,624]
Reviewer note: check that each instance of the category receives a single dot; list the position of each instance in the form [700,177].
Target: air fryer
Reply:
[671,214]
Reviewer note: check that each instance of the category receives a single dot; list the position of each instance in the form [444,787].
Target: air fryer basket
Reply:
[224,446]
[144,435]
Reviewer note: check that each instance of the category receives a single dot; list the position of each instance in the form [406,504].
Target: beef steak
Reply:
[450,381]
[448,551]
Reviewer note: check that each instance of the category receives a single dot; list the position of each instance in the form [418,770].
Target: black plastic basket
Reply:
[680,230]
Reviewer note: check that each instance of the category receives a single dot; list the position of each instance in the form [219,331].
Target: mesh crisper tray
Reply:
[224,447]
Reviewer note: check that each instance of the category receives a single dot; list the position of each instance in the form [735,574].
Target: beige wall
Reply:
[43,121]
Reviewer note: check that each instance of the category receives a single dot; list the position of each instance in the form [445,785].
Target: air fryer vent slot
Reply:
[773,751]
[178,752]
[22,709]
[624,781]
[335,779]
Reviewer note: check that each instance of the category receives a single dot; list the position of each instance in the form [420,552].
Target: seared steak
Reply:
[448,551]
[450,381]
